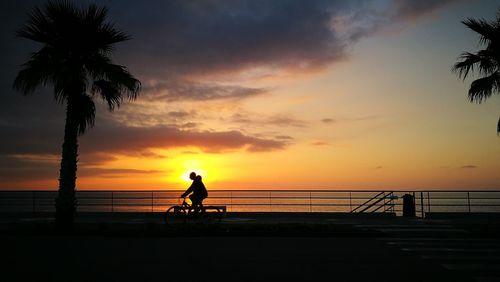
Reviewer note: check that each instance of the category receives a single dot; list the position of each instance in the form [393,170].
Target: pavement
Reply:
[252,247]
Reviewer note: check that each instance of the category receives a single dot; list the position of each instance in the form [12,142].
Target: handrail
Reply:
[492,190]
[261,200]
[363,204]
[385,197]
[385,203]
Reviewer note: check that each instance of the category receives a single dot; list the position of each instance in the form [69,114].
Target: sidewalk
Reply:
[252,247]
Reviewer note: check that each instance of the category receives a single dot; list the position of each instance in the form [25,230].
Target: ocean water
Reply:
[260,201]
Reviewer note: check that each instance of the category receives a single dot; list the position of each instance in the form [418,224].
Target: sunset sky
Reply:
[268,95]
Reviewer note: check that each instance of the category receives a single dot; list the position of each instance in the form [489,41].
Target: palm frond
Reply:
[467,64]
[498,127]
[486,30]
[110,92]
[94,15]
[489,61]
[120,76]
[36,28]
[28,80]
[38,71]
[484,62]
[484,87]
[84,112]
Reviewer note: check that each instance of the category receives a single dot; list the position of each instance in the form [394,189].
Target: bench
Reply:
[216,208]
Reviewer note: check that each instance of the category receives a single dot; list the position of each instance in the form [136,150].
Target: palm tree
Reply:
[76,44]
[485,62]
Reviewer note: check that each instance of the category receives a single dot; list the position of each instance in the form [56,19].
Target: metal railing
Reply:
[262,201]
[436,201]
[383,201]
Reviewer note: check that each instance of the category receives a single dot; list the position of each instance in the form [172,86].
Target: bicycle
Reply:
[184,213]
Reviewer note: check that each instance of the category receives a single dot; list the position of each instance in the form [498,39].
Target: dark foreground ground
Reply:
[252,247]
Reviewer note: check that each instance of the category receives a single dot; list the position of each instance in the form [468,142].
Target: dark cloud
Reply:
[328,120]
[115,138]
[13,169]
[200,37]
[122,139]
[113,172]
[18,169]
[176,90]
[173,38]
[412,10]
[469,166]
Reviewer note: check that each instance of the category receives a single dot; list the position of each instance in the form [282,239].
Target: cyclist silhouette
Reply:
[198,190]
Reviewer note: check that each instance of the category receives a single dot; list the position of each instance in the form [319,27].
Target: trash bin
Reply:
[408,205]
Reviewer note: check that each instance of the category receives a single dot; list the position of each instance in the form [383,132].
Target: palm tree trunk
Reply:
[66,200]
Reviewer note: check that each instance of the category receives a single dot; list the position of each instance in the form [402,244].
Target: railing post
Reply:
[350,200]
[392,202]
[385,201]
[112,204]
[422,204]
[152,201]
[231,200]
[468,200]
[270,205]
[310,202]
[428,201]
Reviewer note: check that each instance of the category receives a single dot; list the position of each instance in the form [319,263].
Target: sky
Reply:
[267,95]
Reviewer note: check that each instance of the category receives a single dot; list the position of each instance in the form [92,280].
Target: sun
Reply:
[196,166]
[198,171]
[181,165]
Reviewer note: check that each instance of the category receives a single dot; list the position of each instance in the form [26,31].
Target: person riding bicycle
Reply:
[199,192]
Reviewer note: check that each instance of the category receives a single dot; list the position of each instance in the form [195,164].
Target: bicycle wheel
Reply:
[175,215]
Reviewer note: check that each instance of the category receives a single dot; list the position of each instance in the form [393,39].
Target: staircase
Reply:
[381,202]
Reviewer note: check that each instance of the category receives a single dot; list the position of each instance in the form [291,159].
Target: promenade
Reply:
[253,247]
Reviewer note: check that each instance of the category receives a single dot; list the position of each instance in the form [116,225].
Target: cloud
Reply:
[284,137]
[179,114]
[410,10]
[262,120]
[113,172]
[179,90]
[123,139]
[320,143]
[328,120]
[199,38]
[117,138]
[18,169]
[469,166]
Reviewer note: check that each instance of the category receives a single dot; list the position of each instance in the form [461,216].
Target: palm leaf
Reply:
[467,64]
[84,112]
[498,127]
[486,30]
[484,87]
[110,92]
